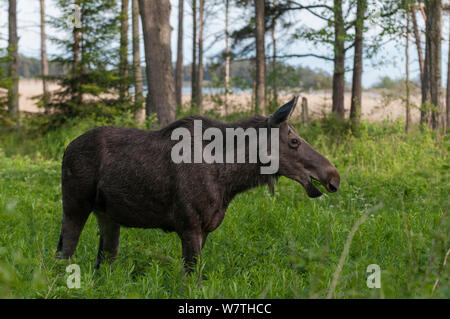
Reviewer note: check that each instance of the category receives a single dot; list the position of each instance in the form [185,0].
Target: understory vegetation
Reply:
[281,246]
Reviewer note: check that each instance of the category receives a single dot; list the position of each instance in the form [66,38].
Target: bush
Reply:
[51,141]
[386,82]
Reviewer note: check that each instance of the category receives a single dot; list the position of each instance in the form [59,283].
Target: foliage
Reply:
[30,67]
[5,84]
[40,136]
[386,82]
[90,85]
[288,76]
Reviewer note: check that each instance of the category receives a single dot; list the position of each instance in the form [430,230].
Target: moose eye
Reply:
[294,142]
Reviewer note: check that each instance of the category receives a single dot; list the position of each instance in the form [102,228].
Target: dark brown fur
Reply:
[126,176]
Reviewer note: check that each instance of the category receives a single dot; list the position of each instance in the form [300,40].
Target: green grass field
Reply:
[282,246]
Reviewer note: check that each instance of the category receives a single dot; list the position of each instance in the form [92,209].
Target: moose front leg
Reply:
[192,243]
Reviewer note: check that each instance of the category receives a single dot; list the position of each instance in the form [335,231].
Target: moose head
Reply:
[298,160]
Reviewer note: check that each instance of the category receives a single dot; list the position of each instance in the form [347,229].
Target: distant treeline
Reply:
[242,73]
[31,67]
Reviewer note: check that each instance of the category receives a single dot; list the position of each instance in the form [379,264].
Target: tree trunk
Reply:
[138,86]
[194,54]
[421,61]
[447,119]
[339,61]
[355,108]
[253,98]
[274,63]
[76,89]
[155,17]
[227,55]
[434,25]
[304,110]
[424,112]
[199,86]
[179,66]
[44,60]
[408,115]
[417,40]
[260,57]
[123,51]
[82,50]
[13,65]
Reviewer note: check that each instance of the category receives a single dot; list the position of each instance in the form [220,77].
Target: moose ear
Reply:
[283,113]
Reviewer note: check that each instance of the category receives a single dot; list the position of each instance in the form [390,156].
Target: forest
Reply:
[147,63]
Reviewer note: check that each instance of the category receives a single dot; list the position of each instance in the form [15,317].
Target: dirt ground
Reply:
[377,105]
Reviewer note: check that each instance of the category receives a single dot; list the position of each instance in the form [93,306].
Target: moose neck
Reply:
[238,178]
[233,177]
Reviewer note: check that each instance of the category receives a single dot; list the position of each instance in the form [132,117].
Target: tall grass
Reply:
[281,246]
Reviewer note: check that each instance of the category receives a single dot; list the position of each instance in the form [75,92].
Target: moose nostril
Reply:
[333,188]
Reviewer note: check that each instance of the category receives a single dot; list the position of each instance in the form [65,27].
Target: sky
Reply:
[390,60]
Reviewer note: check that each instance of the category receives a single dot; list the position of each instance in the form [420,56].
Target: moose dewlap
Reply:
[128,177]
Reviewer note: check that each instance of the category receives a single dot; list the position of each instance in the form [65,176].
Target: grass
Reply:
[282,246]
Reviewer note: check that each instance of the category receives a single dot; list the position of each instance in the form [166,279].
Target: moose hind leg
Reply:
[74,217]
[109,239]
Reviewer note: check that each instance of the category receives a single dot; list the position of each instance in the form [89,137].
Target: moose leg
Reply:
[109,239]
[192,242]
[74,217]
[204,236]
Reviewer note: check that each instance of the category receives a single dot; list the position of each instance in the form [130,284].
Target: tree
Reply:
[155,17]
[334,33]
[272,12]
[123,51]
[13,65]
[227,54]
[418,42]
[137,71]
[179,66]
[447,113]
[433,9]
[408,114]
[274,102]
[5,83]
[44,60]
[89,83]
[260,57]
[355,107]
[77,69]
[199,77]
[394,25]
[339,60]
[194,69]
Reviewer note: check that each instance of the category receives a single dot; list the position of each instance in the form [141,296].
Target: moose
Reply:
[127,177]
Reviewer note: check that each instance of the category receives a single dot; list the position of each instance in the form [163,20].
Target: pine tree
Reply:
[5,84]
[92,80]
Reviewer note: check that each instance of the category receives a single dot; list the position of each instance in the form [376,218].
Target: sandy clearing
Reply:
[376,104]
